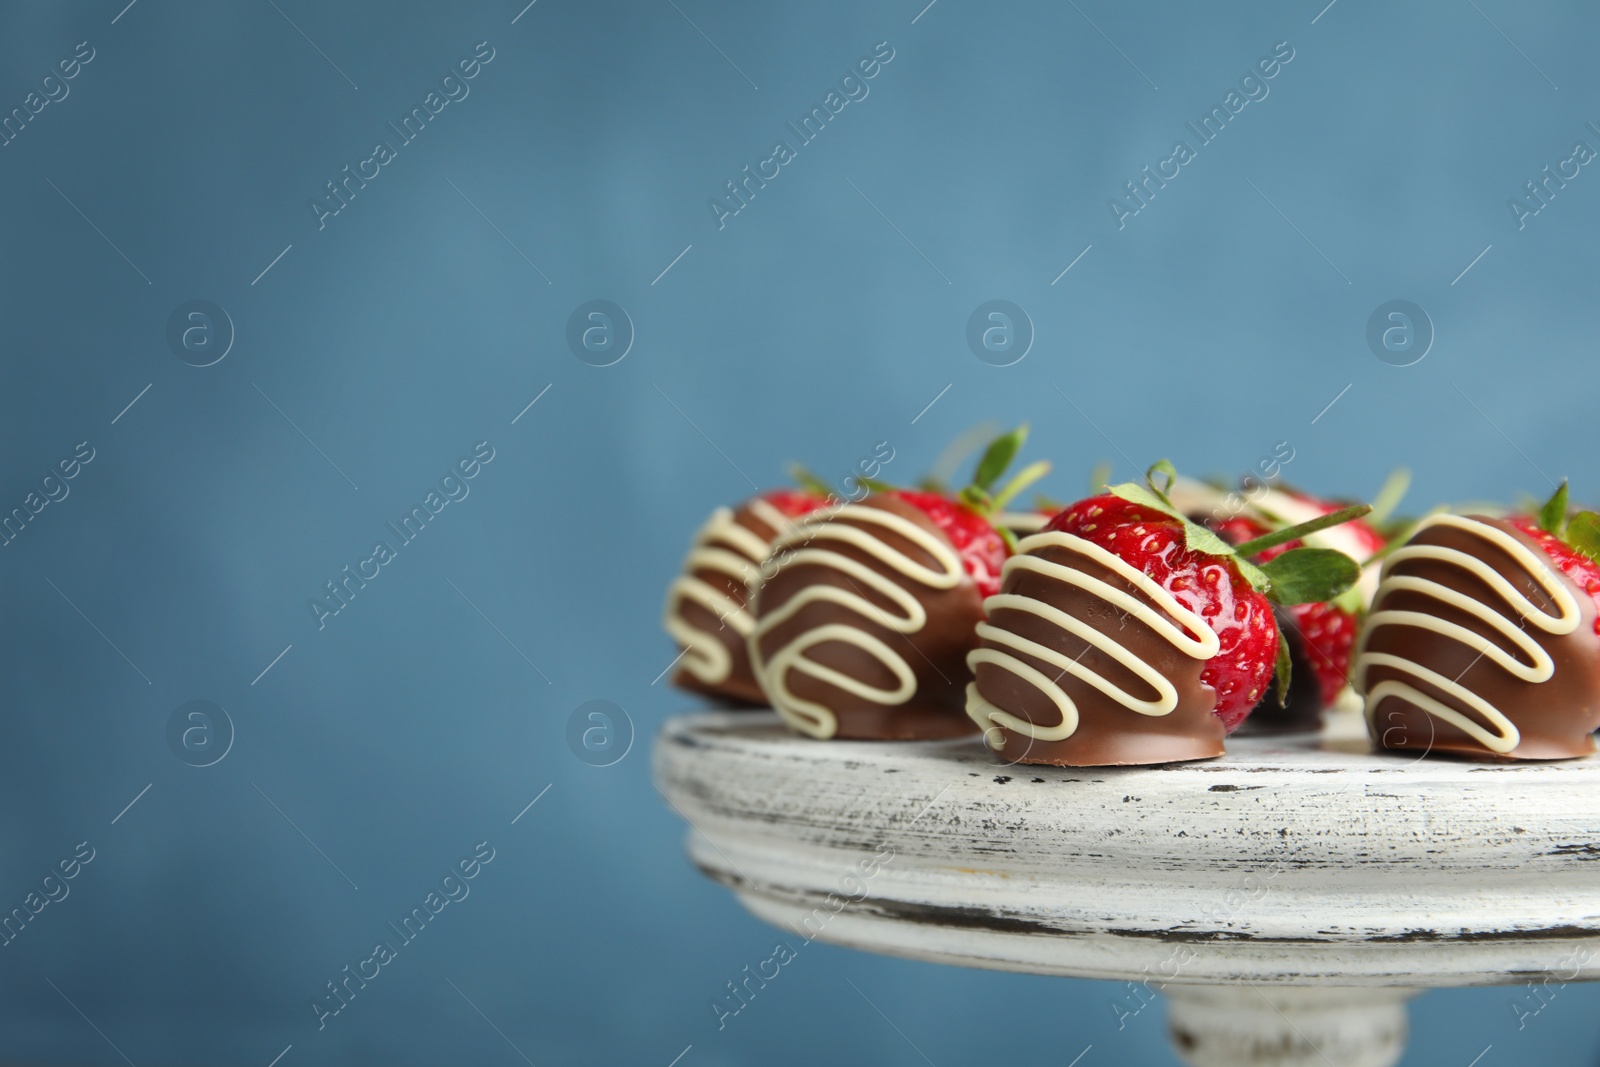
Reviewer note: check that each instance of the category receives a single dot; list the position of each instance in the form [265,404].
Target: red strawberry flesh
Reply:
[793,502]
[1583,571]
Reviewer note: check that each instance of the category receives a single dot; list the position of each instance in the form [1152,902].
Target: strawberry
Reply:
[1207,584]
[1217,581]
[1328,635]
[1571,541]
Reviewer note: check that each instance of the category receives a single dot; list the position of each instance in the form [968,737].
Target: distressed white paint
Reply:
[1292,862]
[1285,1026]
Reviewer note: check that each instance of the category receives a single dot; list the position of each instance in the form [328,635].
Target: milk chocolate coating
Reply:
[1554,717]
[740,689]
[1108,732]
[936,655]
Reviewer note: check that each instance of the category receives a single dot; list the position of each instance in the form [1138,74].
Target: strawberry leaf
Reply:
[1134,493]
[1258,578]
[998,456]
[1199,539]
[1099,477]
[1285,665]
[1553,516]
[1309,575]
[1008,537]
[1583,534]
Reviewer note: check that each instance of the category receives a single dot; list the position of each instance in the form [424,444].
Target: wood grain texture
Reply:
[1298,860]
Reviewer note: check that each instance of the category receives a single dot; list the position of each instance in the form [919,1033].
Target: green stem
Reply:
[1020,481]
[808,481]
[1293,533]
[1388,498]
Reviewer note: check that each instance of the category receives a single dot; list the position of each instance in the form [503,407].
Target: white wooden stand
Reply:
[1287,898]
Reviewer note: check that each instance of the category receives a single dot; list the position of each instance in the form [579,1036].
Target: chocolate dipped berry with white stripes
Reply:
[866,614]
[1124,633]
[707,610]
[1484,637]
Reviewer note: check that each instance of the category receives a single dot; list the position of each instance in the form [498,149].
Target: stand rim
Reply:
[1293,860]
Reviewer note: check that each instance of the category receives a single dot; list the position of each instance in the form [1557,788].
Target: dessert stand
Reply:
[1286,899]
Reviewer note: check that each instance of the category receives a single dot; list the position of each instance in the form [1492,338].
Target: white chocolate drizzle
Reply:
[1532,664]
[799,546]
[1185,629]
[1022,522]
[726,546]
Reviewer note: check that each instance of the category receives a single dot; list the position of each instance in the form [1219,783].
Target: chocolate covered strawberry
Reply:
[866,614]
[1484,637]
[707,610]
[1126,633]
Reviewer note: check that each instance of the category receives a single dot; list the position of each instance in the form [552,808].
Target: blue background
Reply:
[821,319]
